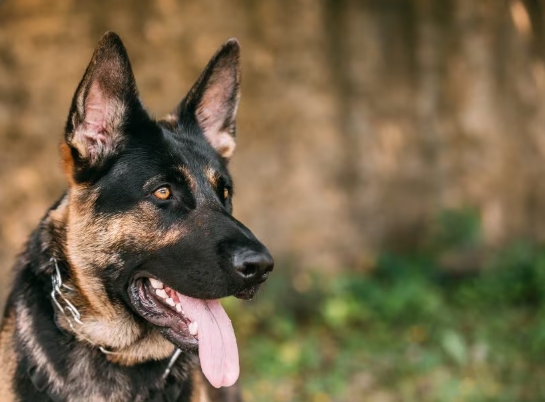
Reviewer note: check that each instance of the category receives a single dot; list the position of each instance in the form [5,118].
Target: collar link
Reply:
[69,311]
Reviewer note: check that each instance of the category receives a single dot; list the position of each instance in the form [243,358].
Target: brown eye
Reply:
[162,193]
[225,193]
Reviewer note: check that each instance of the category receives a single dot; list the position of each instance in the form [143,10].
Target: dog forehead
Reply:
[192,153]
[170,158]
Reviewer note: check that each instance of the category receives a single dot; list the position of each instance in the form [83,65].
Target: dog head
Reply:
[149,230]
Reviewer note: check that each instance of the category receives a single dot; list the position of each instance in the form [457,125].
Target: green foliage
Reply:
[457,228]
[406,331]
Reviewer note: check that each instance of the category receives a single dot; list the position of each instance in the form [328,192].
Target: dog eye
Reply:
[162,193]
[225,193]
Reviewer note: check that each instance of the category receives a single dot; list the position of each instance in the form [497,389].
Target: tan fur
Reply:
[7,351]
[151,346]
[84,255]
[26,330]
[67,163]
[91,243]
[57,217]
[200,392]
[79,369]
[170,120]
[189,177]
[212,177]
[204,392]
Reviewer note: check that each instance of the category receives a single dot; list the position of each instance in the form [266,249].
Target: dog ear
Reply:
[213,100]
[104,100]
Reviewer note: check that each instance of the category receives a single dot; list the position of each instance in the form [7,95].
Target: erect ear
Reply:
[104,100]
[213,100]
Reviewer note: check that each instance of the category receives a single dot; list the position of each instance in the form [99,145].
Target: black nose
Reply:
[253,266]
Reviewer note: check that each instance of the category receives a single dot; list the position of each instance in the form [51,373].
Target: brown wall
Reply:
[359,121]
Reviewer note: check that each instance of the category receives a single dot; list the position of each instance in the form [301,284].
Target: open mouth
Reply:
[191,323]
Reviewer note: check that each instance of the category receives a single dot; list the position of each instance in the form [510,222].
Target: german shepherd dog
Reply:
[116,294]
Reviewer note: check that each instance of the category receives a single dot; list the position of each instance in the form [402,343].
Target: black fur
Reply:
[116,156]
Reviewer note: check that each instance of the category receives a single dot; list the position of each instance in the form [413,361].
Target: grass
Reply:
[405,331]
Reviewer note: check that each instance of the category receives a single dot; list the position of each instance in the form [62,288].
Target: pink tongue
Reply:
[218,350]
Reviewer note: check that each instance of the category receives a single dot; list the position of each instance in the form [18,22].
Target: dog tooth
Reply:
[156,284]
[175,297]
[161,293]
[179,308]
[194,328]
[170,302]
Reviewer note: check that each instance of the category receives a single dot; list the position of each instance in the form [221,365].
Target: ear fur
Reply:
[104,99]
[213,100]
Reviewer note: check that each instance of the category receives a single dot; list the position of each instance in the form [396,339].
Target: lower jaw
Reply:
[179,340]
[152,311]
[247,294]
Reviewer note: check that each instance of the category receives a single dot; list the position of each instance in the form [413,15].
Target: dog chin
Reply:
[248,293]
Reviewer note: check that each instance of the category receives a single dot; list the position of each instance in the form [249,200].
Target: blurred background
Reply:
[391,155]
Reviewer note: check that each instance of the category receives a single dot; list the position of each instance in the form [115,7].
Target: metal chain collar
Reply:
[73,316]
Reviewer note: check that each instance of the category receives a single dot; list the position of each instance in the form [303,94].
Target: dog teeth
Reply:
[161,293]
[156,284]
[193,328]
[170,302]
[179,308]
